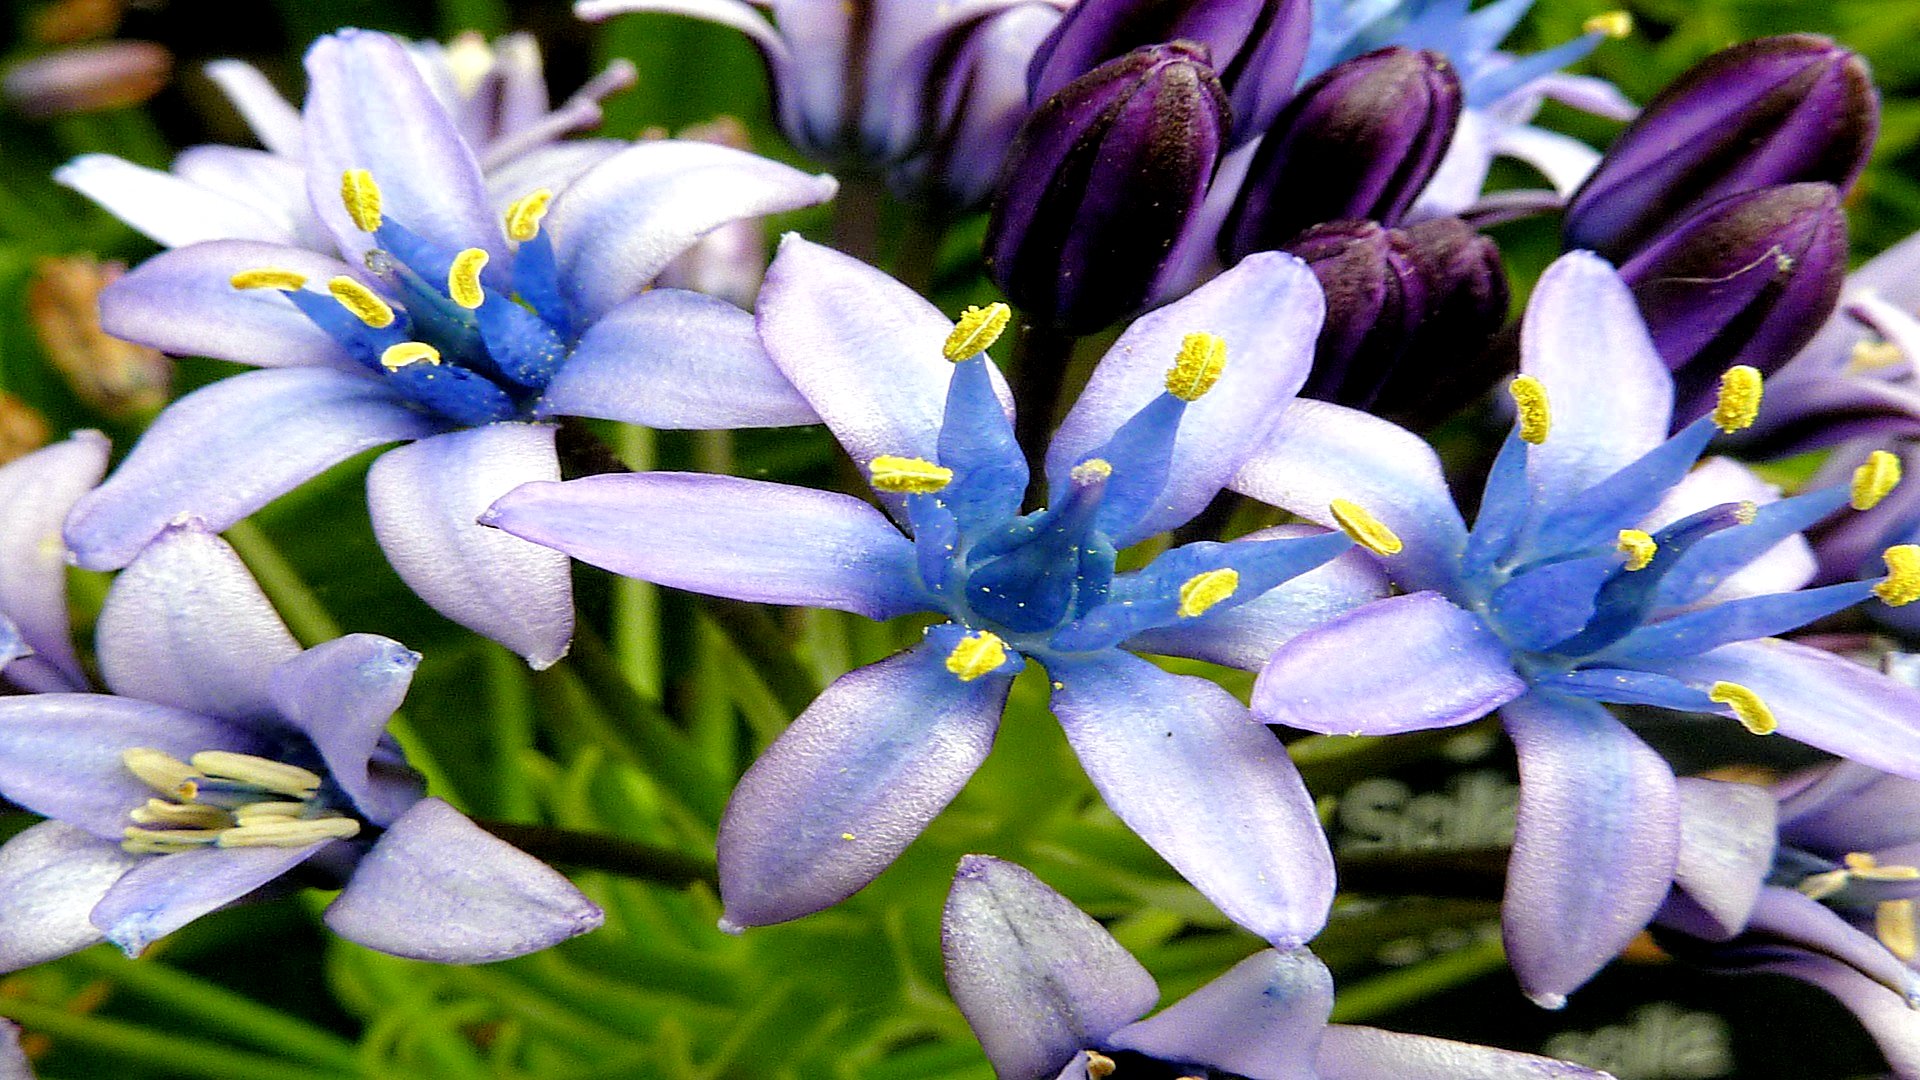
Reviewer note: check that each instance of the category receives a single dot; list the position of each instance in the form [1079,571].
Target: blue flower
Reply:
[922,410]
[463,314]
[37,491]
[225,758]
[1597,570]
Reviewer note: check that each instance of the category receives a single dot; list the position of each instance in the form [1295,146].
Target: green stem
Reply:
[636,603]
[918,264]
[1040,358]
[645,730]
[856,215]
[1385,993]
[767,649]
[611,854]
[306,616]
[167,1050]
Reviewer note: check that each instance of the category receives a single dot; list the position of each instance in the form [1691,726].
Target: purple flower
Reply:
[37,491]
[460,315]
[922,410]
[1598,570]
[225,759]
[1050,994]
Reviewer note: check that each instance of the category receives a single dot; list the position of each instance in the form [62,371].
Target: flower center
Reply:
[222,799]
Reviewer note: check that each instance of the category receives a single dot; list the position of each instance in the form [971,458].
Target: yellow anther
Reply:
[1902,585]
[183,815]
[1863,865]
[1536,417]
[1744,513]
[1893,924]
[408,352]
[1202,591]
[288,833]
[268,277]
[1877,476]
[523,217]
[1365,529]
[362,197]
[463,279]
[907,475]
[365,304]
[1091,471]
[1747,707]
[975,331]
[263,773]
[254,813]
[1202,358]
[1614,24]
[1099,1065]
[1873,355]
[157,769]
[1739,400]
[979,653]
[1638,547]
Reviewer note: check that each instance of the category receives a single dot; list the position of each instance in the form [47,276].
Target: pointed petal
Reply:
[51,876]
[1442,666]
[186,626]
[38,490]
[1321,452]
[1594,850]
[1263,1018]
[724,536]
[554,167]
[1181,762]
[167,892]
[1726,849]
[621,223]
[426,501]
[1788,915]
[170,210]
[341,693]
[1349,1052]
[1268,310]
[274,122]
[224,451]
[674,359]
[438,887]
[1036,977]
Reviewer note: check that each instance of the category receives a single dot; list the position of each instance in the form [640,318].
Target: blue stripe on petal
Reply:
[976,442]
[1736,620]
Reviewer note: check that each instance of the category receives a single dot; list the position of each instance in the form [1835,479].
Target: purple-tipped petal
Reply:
[274,122]
[674,359]
[1181,762]
[1595,846]
[426,500]
[850,784]
[438,887]
[341,694]
[1349,1052]
[1036,977]
[1726,849]
[167,892]
[170,210]
[724,536]
[1268,311]
[1261,1020]
[225,451]
[186,625]
[38,491]
[1402,664]
[622,222]
[51,876]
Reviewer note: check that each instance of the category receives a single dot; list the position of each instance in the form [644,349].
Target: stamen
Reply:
[975,331]
[362,197]
[1877,476]
[289,833]
[1202,358]
[1902,585]
[463,279]
[1747,707]
[908,476]
[1872,356]
[1365,529]
[158,770]
[1202,591]
[1893,924]
[1536,418]
[1821,886]
[1091,471]
[1864,866]
[265,774]
[188,815]
[408,352]
[979,653]
[365,304]
[523,217]
[1739,402]
[1099,1065]
[138,841]
[1614,24]
[254,813]
[1746,512]
[268,277]
[1638,547]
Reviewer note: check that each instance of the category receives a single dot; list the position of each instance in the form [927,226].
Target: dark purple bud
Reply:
[1360,141]
[1451,360]
[1780,110]
[1375,300]
[1748,280]
[1100,182]
[1256,47]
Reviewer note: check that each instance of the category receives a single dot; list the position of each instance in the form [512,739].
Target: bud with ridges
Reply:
[1099,184]
[1450,361]
[1780,110]
[1360,141]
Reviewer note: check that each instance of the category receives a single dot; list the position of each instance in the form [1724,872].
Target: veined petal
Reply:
[186,625]
[1179,760]
[438,887]
[1037,978]
[675,359]
[1263,1018]
[1595,847]
[1726,849]
[165,893]
[51,876]
[224,451]
[341,693]
[426,500]
[1268,311]
[1400,664]
[724,536]
[274,122]
[621,223]
[172,211]
[730,13]
[1350,1052]
[856,778]
[38,490]
[1565,161]
[1320,452]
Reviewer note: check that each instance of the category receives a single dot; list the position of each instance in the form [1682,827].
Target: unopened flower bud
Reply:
[1360,141]
[21,429]
[1101,180]
[1780,110]
[88,78]
[116,377]
[1450,361]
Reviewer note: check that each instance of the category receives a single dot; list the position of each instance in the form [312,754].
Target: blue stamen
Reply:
[454,392]
[977,443]
[1737,620]
[1628,597]
[523,347]
[536,278]
[1030,587]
